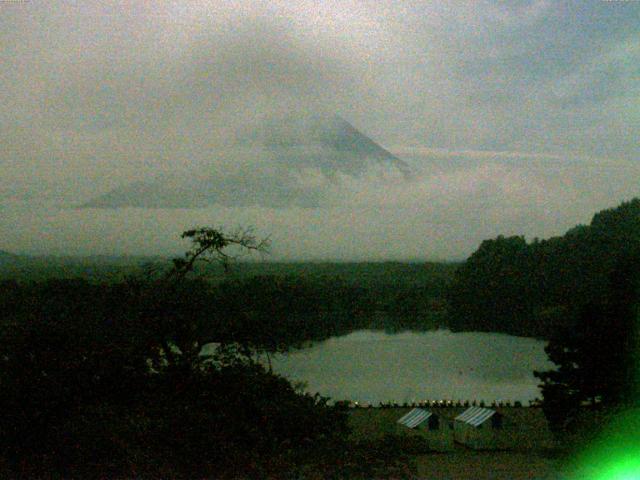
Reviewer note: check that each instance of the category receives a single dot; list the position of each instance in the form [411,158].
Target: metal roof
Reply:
[475,415]
[415,417]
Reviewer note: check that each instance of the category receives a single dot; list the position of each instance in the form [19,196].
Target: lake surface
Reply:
[372,366]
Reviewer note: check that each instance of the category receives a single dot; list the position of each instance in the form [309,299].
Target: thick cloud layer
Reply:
[459,200]
[519,117]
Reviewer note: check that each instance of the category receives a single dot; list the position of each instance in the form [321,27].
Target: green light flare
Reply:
[622,469]
[615,455]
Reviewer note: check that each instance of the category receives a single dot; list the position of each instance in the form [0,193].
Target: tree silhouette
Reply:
[211,245]
[106,381]
[597,357]
[178,308]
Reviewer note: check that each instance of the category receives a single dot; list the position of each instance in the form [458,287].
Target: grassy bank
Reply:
[534,454]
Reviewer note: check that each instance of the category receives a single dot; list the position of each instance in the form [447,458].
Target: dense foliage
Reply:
[326,298]
[597,360]
[532,289]
[580,291]
[104,380]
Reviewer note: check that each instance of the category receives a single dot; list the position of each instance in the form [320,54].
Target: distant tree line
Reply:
[333,298]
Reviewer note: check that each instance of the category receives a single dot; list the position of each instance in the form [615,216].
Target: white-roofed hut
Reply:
[480,428]
[435,430]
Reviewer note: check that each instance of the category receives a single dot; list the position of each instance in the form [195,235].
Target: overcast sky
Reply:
[520,117]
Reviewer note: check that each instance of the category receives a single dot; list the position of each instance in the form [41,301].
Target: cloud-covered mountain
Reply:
[273,161]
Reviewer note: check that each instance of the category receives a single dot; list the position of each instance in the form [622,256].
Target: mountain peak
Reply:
[270,155]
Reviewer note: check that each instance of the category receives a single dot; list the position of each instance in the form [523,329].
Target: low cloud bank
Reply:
[452,204]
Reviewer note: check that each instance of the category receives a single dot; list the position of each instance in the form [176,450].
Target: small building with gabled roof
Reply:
[479,428]
[436,431]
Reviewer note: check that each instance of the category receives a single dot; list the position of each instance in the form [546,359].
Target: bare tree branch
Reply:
[208,245]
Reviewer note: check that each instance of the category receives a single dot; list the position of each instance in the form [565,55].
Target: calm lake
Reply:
[372,366]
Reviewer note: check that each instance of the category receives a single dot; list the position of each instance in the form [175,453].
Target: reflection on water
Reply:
[371,366]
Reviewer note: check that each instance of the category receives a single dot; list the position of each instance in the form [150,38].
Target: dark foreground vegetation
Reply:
[108,381]
[102,372]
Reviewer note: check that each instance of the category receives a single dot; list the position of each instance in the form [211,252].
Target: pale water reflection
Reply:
[372,366]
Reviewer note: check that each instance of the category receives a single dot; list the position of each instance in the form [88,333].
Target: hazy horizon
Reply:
[516,118]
